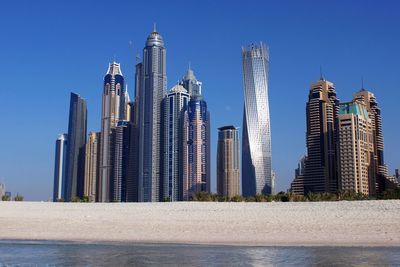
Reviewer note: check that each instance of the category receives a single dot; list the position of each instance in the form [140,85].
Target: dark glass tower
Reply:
[175,105]
[120,159]
[152,92]
[75,158]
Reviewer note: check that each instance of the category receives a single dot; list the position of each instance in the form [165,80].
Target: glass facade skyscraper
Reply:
[197,138]
[152,89]
[75,159]
[256,148]
[59,166]
[112,112]
[175,105]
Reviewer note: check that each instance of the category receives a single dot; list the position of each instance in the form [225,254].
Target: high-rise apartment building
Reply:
[175,106]
[356,147]
[297,186]
[152,89]
[197,139]
[75,158]
[380,171]
[191,84]
[120,159]
[256,149]
[2,190]
[113,109]
[60,167]
[132,180]
[228,162]
[321,172]
[92,154]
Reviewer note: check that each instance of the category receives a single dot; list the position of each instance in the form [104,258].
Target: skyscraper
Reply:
[197,140]
[75,159]
[256,153]
[2,190]
[377,181]
[59,166]
[132,180]
[92,154]
[228,162]
[297,186]
[120,157]
[356,147]
[112,112]
[321,171]
[175,105]
[152,92]
[192,85]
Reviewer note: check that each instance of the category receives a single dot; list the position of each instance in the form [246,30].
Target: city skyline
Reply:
[345,75]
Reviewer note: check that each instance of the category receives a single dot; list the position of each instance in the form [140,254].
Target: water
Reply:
[16,253]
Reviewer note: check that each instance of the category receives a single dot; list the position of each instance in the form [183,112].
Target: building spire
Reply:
[321,75]
[362,83]
[190,67]
[126,95]
[154,27]
[137,57]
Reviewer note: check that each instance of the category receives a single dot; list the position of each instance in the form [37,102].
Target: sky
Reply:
[50,48]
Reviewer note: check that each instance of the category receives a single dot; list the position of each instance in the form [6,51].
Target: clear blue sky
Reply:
[49,48]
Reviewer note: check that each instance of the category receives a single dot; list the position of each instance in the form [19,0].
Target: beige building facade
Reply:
[228,164]
[91,166]
[356,147]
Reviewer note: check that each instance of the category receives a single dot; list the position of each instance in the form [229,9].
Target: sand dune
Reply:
[365,223]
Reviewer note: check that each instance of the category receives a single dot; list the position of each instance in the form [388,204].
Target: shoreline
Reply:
[368,223]
[179,244]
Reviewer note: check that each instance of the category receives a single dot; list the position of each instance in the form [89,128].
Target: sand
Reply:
[355,223]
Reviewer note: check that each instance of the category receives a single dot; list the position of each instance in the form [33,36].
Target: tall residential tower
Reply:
[175,105]
[228,163]
[321,168]
[59,166]
[256,149]
[356,147]
[197,138]
[92,166]
[112,112]
[75,158]
[152,89]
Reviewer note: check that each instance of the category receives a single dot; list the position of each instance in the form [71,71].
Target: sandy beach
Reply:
[355,223]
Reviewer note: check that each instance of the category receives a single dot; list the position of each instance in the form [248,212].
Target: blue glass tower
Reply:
[75,158]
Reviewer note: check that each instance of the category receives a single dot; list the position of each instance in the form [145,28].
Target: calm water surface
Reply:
[16,253]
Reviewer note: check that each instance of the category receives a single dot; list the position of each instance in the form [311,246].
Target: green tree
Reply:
[166,199]
[5,198]
[237,198]
[18,197]
[75,199]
